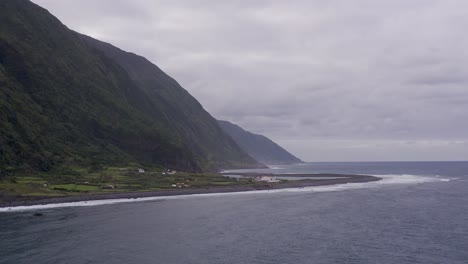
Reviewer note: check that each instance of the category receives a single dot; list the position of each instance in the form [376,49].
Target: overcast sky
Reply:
[328,80]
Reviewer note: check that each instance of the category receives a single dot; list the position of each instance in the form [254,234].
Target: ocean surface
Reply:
[418,213]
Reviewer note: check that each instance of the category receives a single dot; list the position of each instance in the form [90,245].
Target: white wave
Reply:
[386,180]
[273,167]
[409,179]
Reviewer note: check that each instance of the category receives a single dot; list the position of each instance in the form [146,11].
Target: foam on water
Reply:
[386,180]
[273,167]
[408,179]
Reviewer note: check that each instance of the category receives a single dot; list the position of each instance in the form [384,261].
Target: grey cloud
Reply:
[330,80]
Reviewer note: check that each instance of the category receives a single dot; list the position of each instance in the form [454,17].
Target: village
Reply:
[114,179]
[266,179]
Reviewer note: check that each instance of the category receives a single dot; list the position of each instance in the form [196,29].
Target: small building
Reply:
[141,170]
[171,172]
[110,186]
[266,179]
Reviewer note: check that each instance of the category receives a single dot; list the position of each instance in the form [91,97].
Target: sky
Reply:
[333,80]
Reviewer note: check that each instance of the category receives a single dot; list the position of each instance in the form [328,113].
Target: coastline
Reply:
[334,179]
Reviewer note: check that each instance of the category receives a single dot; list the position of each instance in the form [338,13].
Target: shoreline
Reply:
[339,179]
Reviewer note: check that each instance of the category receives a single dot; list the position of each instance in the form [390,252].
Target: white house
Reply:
[141,170]
[266,179]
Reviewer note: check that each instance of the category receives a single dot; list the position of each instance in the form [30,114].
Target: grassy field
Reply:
[110,180]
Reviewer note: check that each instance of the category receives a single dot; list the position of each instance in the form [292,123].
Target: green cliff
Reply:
[65,102]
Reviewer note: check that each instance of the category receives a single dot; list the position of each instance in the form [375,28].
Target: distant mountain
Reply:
[259,147]
[69,101]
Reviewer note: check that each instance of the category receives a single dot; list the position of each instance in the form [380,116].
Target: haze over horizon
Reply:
[329,81]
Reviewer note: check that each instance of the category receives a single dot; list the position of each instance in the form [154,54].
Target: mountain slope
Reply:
[66,104]
[259,147]
[176,108]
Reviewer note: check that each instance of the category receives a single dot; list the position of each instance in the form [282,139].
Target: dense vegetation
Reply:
[65,104]
[177,110]
[259,147]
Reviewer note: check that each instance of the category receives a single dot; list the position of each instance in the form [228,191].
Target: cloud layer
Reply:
[329,80]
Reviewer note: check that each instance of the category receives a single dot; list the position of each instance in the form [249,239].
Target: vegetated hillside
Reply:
[259,147]
[65,104]
[178,110]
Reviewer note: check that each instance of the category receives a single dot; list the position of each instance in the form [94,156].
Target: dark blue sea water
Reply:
[417,214]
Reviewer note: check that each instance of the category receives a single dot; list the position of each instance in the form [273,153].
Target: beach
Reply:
[321,180]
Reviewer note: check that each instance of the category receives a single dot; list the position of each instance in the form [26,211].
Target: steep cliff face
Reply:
[65,102]
[178,110]
[259,147]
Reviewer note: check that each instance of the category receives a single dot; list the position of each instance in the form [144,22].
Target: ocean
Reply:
[418,213]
